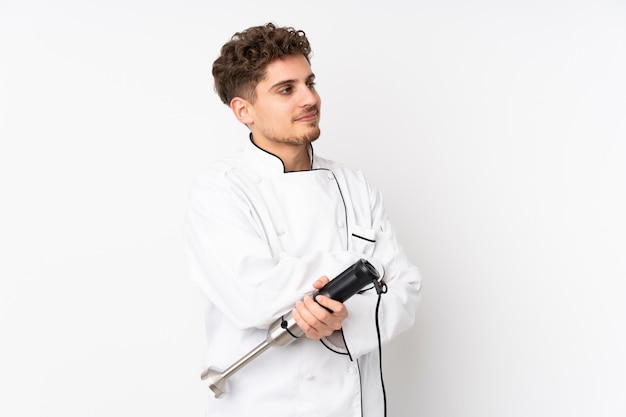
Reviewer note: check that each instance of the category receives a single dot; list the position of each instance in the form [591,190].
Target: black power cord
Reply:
[380,290]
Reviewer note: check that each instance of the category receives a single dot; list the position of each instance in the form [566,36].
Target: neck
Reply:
[296,160]
[295,157]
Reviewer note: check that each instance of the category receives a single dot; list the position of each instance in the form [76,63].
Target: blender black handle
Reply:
[350,281]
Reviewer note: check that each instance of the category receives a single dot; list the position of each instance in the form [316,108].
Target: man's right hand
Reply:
[316,321]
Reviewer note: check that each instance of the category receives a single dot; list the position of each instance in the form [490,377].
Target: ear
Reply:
[242,109]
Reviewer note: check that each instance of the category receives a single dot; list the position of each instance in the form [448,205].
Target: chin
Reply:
[312,136]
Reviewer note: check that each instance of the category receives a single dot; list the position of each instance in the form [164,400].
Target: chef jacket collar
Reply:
[271,161]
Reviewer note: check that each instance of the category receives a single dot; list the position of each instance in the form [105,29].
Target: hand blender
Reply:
[285,330]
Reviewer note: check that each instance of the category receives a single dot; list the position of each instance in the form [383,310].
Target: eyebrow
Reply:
[290,81]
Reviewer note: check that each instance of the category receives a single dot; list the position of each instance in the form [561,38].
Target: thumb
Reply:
[320,282]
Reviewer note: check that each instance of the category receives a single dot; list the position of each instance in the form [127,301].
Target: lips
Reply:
[310,116]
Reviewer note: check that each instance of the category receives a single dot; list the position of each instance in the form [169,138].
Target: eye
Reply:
[286,90]
[311,85]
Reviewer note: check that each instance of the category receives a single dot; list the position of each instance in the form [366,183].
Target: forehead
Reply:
[291,68]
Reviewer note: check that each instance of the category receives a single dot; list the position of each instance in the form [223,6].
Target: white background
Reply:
[495,130]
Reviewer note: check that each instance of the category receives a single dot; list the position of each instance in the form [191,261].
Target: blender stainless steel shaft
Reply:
[285,330]
[281,333]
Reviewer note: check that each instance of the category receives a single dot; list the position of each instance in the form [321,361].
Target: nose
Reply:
[309,96]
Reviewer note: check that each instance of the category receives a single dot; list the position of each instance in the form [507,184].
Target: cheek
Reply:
[274,121]
[277,115]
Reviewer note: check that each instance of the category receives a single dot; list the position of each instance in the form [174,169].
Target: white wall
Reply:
[496,131]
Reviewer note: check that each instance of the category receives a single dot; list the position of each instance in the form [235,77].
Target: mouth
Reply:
[309,116]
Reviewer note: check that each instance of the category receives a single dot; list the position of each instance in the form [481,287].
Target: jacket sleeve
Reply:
[398,305]
[231,261]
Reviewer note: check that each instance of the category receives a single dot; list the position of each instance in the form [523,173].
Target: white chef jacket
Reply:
[256,238]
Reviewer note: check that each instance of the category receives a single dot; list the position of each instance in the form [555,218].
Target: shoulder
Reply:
[219,169]
[216,176]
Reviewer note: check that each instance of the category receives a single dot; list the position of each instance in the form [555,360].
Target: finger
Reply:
[337,308]
[320,282]
[318,318]
[329,320]
[320,313]
[314,314]
[307,321]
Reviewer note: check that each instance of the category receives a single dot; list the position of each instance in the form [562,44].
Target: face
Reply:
[286,111]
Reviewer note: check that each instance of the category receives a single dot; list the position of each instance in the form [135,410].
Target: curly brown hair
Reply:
[243,59]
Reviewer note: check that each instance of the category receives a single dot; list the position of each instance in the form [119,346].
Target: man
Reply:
[270,224]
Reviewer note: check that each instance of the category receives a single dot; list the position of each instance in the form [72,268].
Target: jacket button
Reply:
[330,176]
[340,224]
